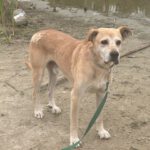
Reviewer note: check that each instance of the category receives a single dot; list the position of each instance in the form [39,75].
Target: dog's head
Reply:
[107,42]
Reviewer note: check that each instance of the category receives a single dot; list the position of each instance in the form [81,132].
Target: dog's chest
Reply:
[99,82]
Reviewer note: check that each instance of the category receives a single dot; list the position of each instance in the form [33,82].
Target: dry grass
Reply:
[6,18]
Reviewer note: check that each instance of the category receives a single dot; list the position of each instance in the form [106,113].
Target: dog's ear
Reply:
[92,35]
[125,32]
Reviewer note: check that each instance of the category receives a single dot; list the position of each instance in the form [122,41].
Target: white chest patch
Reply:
[98,84]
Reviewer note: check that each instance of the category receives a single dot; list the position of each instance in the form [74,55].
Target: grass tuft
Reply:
[7,8]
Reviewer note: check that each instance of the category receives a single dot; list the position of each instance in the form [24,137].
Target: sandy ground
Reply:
[127,112]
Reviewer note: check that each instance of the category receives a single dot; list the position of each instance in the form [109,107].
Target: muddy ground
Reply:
[127,112]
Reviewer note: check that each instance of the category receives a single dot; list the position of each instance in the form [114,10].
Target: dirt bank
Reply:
[127,114]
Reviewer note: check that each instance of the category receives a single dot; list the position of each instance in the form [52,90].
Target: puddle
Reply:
[122,8]
[103,13]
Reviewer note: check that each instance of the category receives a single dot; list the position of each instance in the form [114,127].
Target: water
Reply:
[122,8]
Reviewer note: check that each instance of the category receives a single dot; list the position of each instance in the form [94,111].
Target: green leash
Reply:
[92,121]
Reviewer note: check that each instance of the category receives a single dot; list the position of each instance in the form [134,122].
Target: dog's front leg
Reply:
[104,134]
[74,116]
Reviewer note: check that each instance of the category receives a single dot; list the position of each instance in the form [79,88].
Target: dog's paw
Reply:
[74,140]
[56,110]
[39,114]
[104,134]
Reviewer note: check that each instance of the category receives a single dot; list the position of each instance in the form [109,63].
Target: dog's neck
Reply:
[107,68]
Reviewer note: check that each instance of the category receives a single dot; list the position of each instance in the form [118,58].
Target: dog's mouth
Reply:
[116,61]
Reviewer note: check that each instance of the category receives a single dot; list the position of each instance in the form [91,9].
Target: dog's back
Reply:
[52,39]
[47,45]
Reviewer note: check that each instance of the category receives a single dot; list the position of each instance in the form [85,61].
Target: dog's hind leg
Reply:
[37,61]
[52,70]
[37,76]
[104,134]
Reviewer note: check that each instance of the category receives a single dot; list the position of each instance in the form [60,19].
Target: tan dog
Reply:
[86,63]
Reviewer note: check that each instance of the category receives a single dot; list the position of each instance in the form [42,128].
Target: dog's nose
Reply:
[114,55]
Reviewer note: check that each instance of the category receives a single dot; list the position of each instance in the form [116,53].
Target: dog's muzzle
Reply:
[114,56]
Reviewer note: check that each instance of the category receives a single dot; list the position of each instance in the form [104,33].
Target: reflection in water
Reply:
[122,8]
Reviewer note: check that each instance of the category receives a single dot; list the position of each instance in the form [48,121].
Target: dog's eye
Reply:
[118,42]
[104,42]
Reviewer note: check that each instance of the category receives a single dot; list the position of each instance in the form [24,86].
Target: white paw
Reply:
[104,134]
[50,104]
[74,140]
[38,114]
[56,110]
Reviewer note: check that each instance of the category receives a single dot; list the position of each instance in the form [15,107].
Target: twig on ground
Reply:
[135,50]
[10,85]
[13,87]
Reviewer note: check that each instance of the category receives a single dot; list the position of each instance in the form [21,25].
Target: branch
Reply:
[135,51]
